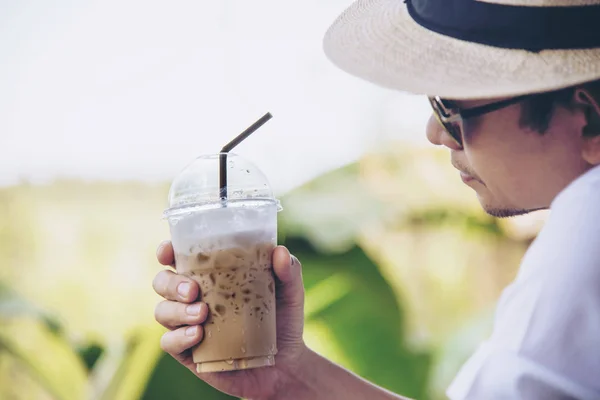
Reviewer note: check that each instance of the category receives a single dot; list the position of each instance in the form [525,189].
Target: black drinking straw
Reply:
[228,147]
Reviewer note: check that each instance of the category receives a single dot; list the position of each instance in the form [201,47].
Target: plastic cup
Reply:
[226,246]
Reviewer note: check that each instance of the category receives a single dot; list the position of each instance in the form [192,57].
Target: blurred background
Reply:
[103,102]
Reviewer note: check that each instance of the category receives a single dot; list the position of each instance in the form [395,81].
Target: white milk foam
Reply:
[223,228]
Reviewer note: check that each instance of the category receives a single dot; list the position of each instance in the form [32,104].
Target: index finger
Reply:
[165,253]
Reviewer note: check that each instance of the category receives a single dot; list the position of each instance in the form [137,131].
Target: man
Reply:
[514,89]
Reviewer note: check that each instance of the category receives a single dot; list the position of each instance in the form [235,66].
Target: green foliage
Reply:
[90,353]
[170,380]
[40,349]
[147,373]
[345,292]
[363,316]
[137,363]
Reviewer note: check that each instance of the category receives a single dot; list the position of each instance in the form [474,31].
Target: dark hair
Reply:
[537,111]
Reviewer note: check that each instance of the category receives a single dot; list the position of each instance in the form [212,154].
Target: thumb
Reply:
[288,272]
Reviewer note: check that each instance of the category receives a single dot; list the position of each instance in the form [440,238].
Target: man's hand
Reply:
[183,315]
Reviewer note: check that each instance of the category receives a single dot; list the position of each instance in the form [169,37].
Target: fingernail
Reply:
[292,260]
[183,289]
[193,309]
[191,331]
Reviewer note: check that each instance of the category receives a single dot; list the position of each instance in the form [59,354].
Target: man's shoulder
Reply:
[564,260]
[583,190]
[572,232]
[566,253]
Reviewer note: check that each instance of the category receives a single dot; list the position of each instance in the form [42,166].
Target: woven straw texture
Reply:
[378,41]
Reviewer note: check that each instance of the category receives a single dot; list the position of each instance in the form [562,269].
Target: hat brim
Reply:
[377,40]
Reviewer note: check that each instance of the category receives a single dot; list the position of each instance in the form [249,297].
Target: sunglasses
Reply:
[452,117]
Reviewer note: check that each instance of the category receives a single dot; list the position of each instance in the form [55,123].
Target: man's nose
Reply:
[438,135]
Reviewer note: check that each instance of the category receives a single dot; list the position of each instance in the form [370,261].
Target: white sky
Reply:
[128,89]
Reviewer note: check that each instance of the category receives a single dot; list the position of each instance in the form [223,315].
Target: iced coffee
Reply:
[226,244]
[236,282]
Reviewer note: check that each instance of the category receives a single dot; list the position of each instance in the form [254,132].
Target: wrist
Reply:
[297,382]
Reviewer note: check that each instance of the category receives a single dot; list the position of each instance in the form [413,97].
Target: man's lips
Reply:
[466,177]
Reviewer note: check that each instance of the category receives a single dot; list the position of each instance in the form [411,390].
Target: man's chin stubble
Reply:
[508,212]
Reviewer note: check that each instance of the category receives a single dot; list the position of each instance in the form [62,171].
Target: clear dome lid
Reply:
[199,184]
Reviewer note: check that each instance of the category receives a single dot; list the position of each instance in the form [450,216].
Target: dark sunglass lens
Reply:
[453,128]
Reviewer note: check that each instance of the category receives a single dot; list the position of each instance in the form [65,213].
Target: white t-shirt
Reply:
[546,338]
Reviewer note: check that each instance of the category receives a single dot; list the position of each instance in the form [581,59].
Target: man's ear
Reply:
[589,100]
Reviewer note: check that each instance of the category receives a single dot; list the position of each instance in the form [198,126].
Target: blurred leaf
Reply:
[400,188]
[146,372]
[326,292]
[131,377]
[12,306]
[361,313]
[90,353]
[458,348]
[170,380]
[331,210]
[33,338]
[48,358]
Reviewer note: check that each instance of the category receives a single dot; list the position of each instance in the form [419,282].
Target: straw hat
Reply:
[467,49]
